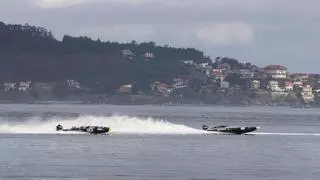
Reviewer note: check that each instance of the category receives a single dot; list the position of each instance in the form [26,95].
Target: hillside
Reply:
[29,53]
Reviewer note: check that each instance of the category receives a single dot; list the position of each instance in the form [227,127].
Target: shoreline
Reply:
[61,102]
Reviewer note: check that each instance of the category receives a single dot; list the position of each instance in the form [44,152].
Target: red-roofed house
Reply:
[125,88]
[288,86]
[163,88]
[276,71]
[217,73]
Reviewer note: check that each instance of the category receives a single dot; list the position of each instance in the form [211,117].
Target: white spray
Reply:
[118,125]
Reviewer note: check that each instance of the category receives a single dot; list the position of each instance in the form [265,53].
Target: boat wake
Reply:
[118,125]
[284,134]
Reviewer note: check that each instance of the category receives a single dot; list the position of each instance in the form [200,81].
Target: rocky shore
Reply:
[142,99]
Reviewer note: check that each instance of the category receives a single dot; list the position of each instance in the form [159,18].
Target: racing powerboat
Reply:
[86,129]
[233,130]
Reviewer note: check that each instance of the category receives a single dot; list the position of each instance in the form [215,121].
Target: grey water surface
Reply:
[287,147]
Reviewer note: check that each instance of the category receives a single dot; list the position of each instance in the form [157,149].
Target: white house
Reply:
[188,62]
[224,85]
[73,84]
[148,55]
[307,93]
[297,83]
[127,53]
[8,86]
[24,86]
[274,86]
[276,71]
[246,74]
[203,65]
[179,83]
[255,84]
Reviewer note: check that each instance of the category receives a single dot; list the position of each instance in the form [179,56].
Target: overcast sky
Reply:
[263,32]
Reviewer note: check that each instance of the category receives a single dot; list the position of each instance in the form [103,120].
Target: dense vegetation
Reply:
[32,53]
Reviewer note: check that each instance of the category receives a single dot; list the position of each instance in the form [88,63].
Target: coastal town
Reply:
[83,70]
[244,84]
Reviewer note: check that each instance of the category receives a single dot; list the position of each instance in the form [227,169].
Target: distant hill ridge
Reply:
[32,53]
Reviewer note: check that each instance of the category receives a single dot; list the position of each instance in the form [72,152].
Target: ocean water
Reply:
[158,142]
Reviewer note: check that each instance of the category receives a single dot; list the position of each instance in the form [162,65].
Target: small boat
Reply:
[233,130]
[86,129]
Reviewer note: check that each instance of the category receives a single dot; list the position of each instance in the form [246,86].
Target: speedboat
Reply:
[86,129]
[233,130]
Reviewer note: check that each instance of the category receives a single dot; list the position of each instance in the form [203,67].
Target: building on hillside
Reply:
[274,86]
[224,85]
[276,71]
[246,74]
[217,74]
[148,56]
[9,86]
[24,86]
[314,76]
[203,65]
[163,89]
[128,54]
[216,71]
[188,62]
[255,84]
[73,84]
[224,66]
[307,93]
[259,74]
[179,83]
[288,86]
[127,88]
[206,68]
[297,84]
[300,76]
[153,85]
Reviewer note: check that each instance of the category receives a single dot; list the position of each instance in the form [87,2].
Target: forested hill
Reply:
[33,53]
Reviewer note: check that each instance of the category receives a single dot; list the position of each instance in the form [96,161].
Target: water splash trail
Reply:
[285,134]
[118,124]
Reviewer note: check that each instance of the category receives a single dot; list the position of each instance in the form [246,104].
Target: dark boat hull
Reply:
[86,129]
[232,130]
